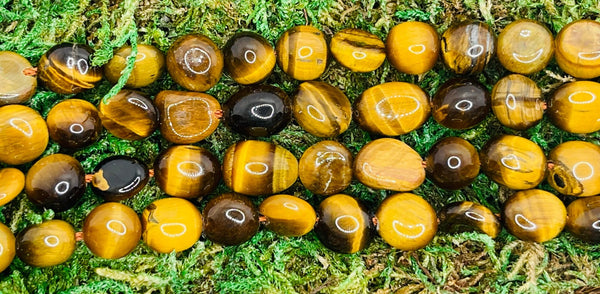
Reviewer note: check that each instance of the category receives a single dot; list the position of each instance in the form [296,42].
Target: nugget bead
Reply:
[326,168]
[74,123]
[578,49]
[413,47]
[230,219]
[288,215]
[195,62]
[24,134]
[302,53]
[47,244]
[517,102]
[583,219]
[147,68]
[249,58]
[129,115]
[525,46]
[469,216]
[460,104]
[573,107]
[574,166]
[358,50]
[15,86]
[7,247]
[452,163]
[67,69]
[119,177]
[468,47]
[12,182]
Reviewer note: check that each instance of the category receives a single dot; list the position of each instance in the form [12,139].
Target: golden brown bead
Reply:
[24,134]
[525,46]
[249,58]
[326,168]
[452,163]
[574,166]
[74,123]
[15,86]
[47,244]
[230,219]
[468,47]
[288,215]
[302,53]
[577,49]
[7,247]
[67,69]
[583,219]
[460,104]
[358,50]
[468,216]
[413,47]
[12,182]
[573,107]
[147,68]
[517,102]
[129,115]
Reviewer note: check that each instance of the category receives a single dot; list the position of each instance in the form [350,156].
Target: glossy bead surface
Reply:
[534,215]
[249,58]
[230,219]
[517,102]
[187,117]
[187,171]
[147,68]
[12,182]
[15,86]
[74,123]
[129,115]
[288,215]
[573,107]
[112,230]
[7,247]
[302,53]
[413,47]
[525,46]
[468,47]
[577,49]
[392,109]
[584,219]
[24,134]
[326,168]
[171,224]
[119,177]
[460,104]
[358,50]
[259,168]
[322,109]
[195,62]
[47,244]
[469,216]
[575,164]
[452,163]
[67,69]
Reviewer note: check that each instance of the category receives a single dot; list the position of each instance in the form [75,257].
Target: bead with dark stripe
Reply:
[321,109]
[67,69]
[468,216]
[302,53]
[358,50]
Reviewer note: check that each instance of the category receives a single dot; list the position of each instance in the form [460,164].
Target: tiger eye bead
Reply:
[12,182]
[129,115]
[302,53]
[584,219]
[74,123]
[469,216]
[187,117]
[15,86]
[573,107]
[517,102]
[230,219]
[358,50]
[249,58]
[413,47]
[468,47]
[119,177]
[7,247]
[195,62]
[326,168]
[288,215]
[460,104]
[534,215]
[24,134]
[47,244]
[112,230]
[259,168]
[67,69]
[321,109]
[578,49]
[525,46]
[147,68]
[452,163]
[389,164]
[574,166]
[392,109]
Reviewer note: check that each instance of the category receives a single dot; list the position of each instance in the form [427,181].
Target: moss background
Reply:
[467,262]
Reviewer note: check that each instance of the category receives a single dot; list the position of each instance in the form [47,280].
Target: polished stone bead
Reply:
[517,102]
[525,46]
[358,50]
[577,49]
[47,244]
[468,216]
[195,62]
[7,245]
[249,58]
[574,107]
[12,182]
[24,134]
[74,123]
[15,86]
[67,69]
[288,215]
[129,115]
[302,53]
[468,47]
[326,168]
[322,109]
[574,166]
[413,47]
[460,104]
[148,66]
[119,177]
[452,163]
[231,219]
[583,219]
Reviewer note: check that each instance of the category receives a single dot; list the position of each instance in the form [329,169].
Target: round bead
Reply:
[460,104]
[406,221]
[534,215]
[249,58]
[469,216]
[171,224]
[129,115]
[7,247]
[231,219]
[119,177]
[187,117]
[468,47]
[67,69]
[574,168]
[24,134]
[288,215]
[392,109]
[413,47]
[47,244]
[389,164]
[15,86]
[321,109]
[326,168]
[577,49]
[259,168]
[570,107]
[583,219]
[187,171]
[358,50]
[74,123]
[302,53]
[147,68]
[344,225]
[525,46]
[452,163]
[195,62]
[12,182]
[55,182]
[112,230]
[517,102]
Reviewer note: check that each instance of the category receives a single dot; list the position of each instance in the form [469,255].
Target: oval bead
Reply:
[578,49]
[7,247]
[148,66]
[469,216]
[24,134]
[517,102]
[119,177]
[452,163]
[302,53]
[249,58]
[230,219]
[15,86]
[583,219]
[67,69]
[288,215]
[12,182]
[325,168]
[129,115]
[47,244]
[460,104]
[74,123]
[468,47]
[525,46]
[413,47]
[574,168]
[358,50]
[570,106]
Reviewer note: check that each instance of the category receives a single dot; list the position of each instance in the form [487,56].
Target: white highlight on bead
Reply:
[525,33]
[578,176]
[62,187]
[457,161]
[131,185]
[589,55]
[291,206]
[359,55]
[189,58]
[198,132]
[249,167]
[82,66]
[1,249]
[2,196]
[233,218]
[76,128]
[417,48]
[140,56]
[511,101]
[16,122]
[368,170]
[120,231]
[350,230]
[256,109]
[468,105]
[315,113]
[475,50]
[528,58]
[252,58]
[389,114]
[511,161]
[51,241]
[167,225]
[475,216]
[137,102]
[590,100]
[596,225]
[304,48]
[524,223]
[410,227]
[190,169]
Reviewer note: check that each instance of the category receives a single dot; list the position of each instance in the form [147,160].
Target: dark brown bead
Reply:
[67,69]
[74,123]
[230,219]
[517,102]
[460,104]
[469,216]
[119,177]
[468,47]
[47,244]
[583,219]
[452,163]
[249,58]
[129,115]
[302,53]
[15,86]
[147,68]
[326,168]
[358,50]
[288,215]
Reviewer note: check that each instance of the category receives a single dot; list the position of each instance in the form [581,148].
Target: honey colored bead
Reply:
[321,109]
[47,244]
[187,117]
[392,109]
[249,58]
[583,219]
[129,115]
[74,123]
[230,219]
[525,46]
[302,53]
[534,215]
[12,182]
[406,221]
[15,86]
[389,164]
[119,177]
[24,134]
[517,102]
[468,47]
[67,69]
[578,49]
[112,230]
[452,163]
[195,62]
[413,47]
[460,104]
[326,168]
[7,247]
[259,168]
[288,215]
[187,171]
[344,225]
[573,107]
[149,65]
[358,50]
[171,224]
[469,216]
[574,168]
